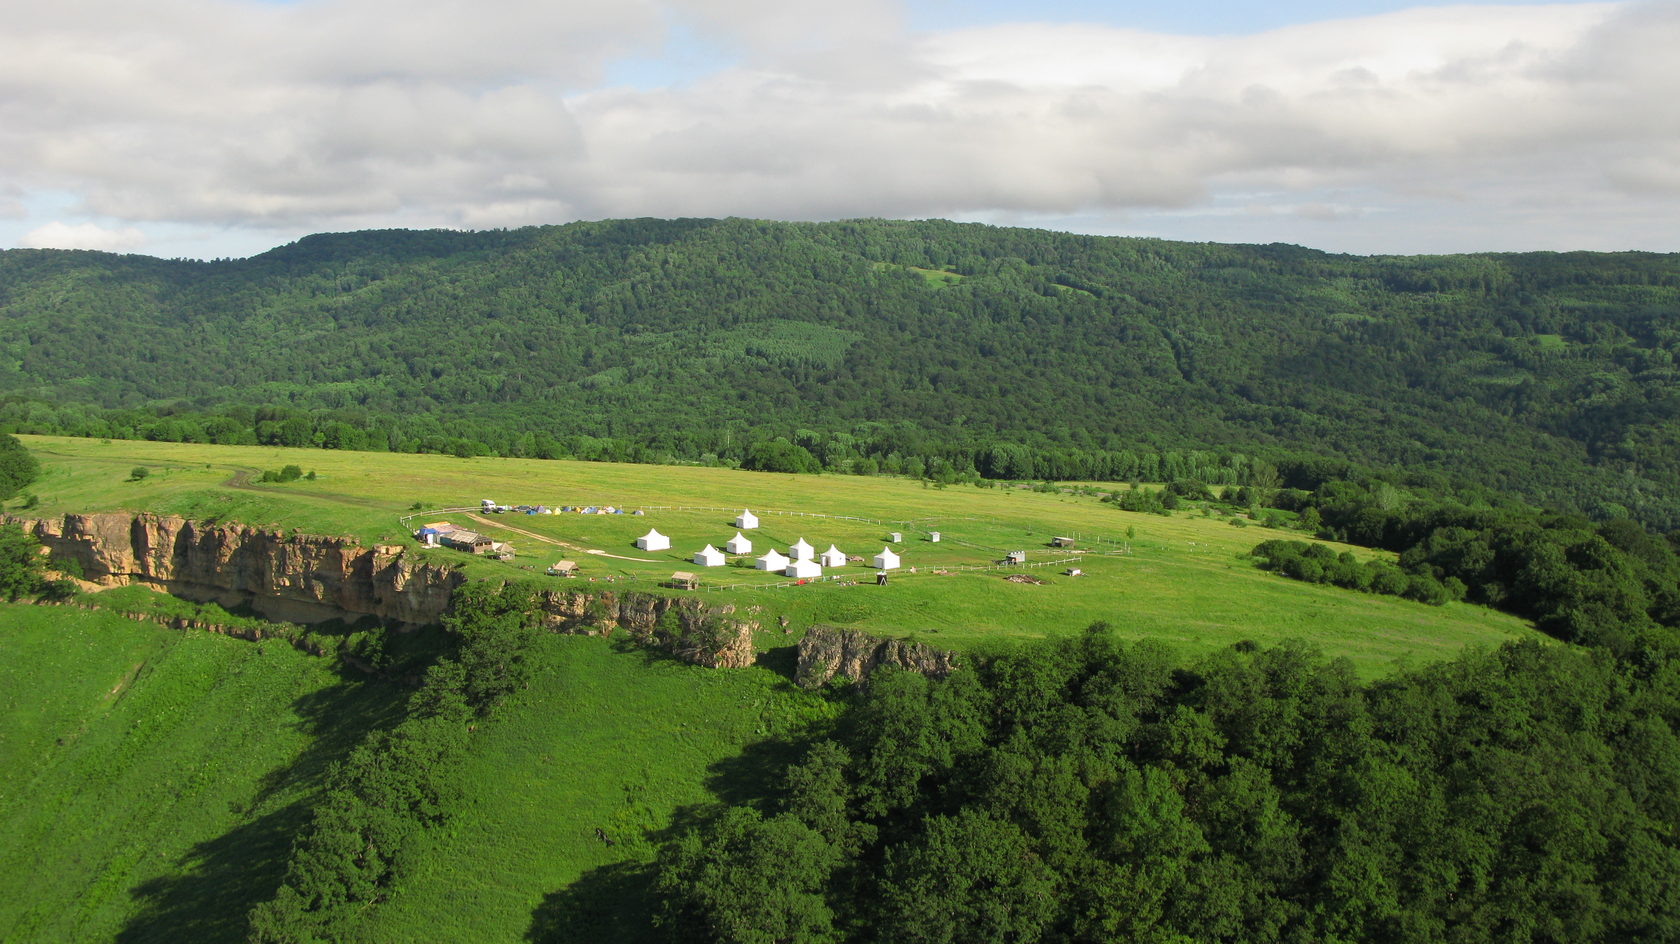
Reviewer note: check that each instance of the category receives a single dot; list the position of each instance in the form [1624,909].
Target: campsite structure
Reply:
[773,561]
[886,560]
[833,557]
[746,520]
[709,556]
[802,551]
[738,545]
[803,569]
[653,541]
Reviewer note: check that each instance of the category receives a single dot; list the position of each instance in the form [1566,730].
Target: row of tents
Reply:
[801,561]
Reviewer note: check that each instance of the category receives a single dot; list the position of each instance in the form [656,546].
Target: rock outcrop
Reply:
[302,578]
[297,578]
[828,651]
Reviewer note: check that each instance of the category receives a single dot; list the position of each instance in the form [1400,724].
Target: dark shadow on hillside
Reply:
[217,882]
[610,903]
[782,660]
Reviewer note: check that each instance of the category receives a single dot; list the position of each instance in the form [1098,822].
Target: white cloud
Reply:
[58,235]
[330,114]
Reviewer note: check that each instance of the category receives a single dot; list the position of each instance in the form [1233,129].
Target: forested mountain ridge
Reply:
[873,345]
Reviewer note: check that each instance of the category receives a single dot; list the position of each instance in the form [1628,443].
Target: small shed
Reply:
[933,536]
[833,557]
[428,536]
[802,551]
[803,569]
[709,556]
[653,541]
[896,537]
[1016,557]
[886,560]
[1061,542]
[773,561]
[738,545]
[746,520]
[683,580]
[565,568]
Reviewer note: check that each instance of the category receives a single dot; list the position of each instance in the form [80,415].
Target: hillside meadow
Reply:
[1184,579]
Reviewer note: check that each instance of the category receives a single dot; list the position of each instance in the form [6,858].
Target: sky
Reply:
[222,128]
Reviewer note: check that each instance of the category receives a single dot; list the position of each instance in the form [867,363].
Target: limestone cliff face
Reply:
[827,651]
[312,578]
[297,578]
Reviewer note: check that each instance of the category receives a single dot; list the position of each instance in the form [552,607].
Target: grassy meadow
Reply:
[1184,579]
[154,777]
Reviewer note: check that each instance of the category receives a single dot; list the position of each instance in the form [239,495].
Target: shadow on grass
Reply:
[217,882]
[609,903]
[782,660]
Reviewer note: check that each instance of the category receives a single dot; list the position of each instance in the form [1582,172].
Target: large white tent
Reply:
[833,557]
[653,541]
[746,520]
[886,560]
[773,561]
[738,545]
[709,556]
[802,551]
[803,569]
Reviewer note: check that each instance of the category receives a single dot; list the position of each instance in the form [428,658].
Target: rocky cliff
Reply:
[827,651]
[302,578]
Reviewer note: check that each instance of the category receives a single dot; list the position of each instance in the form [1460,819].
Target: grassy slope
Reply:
[154,778]
[604,739]
[1185,580]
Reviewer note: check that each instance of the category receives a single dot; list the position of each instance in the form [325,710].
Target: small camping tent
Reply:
[709,556]
[773,561]
[886,560]
[804,569]
[802,551]
[833,557]
[653,541]
[746,520]
[738,545]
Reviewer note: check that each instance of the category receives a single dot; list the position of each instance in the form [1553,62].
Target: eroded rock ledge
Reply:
[828,651]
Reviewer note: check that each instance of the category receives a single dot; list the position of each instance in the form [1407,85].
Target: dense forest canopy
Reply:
[918,347]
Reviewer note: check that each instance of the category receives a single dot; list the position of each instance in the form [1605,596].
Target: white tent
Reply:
[653,541]
[709,556]
[833,557]
[896,537]
[886,560]
[773,561]
[804,569]
[746,520]
[738,545]
[802,551]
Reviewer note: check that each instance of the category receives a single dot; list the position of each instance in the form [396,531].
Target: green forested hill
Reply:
[874,345]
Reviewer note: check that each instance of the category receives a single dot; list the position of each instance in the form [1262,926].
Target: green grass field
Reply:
[153,777]
[605,739]
[1185,579]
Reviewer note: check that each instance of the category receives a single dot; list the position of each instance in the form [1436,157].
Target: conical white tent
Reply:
[803,569]
[738,545]
[746,520]
[802,551]
[886,560]
[653,541]
[709,556]
[773,561]
[833,557]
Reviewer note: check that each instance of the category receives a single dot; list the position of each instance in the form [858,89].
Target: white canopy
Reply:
[709,556]
[738,545]
[886,560]
[801,551]
[773,561]
[804,569]
[653,541]
[833,557]
[746,520]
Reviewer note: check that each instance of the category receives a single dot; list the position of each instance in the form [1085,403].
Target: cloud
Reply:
[57,235]
[331,114]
